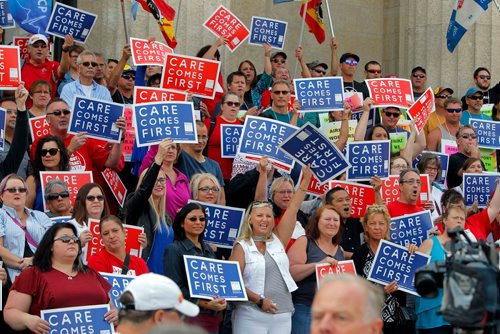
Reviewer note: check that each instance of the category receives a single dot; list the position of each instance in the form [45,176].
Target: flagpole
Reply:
[496,3]
[124,22]
[329,17]
[304,2]
[178,15]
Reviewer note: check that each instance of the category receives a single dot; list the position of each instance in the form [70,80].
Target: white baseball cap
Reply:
[156,292]
[38,37]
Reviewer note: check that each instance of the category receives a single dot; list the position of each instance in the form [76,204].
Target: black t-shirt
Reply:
[351,234]
[355,86]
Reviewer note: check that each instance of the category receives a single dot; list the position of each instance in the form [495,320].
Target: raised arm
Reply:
[299,53]
[263,181]
[117,71]
[64,66]
[334,62]
[210,54]
[344,127]
[268,69]
[360,132]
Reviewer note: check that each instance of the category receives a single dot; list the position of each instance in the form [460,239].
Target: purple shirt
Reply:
[178,194]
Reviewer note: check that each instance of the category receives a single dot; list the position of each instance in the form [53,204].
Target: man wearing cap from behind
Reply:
[474,99]
[150,300]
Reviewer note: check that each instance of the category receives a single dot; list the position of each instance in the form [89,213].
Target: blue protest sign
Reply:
[3,114]
[443,157]
[118,284]
[208,278]
[411,229]
[308,146]
[320,94]
[393,262]
[156,121]
[488,133]
[356,115]
[261,137]
[67,20]
[96,118]
[264,30]
[6,19]
[478,187]
[31,16]
[230,135]
[223,224]
[368,158]
[78,320]
[61,219]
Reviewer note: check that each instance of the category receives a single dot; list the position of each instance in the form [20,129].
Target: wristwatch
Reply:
[261,301]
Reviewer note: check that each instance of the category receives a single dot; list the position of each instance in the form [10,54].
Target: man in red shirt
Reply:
[409,192]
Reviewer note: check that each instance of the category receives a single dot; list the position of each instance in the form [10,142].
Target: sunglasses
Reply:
[452,110]
[442,96]
[484,76]
[54,196]
[319,71]
[66,239]
[59,112]
[193,219]
[51,151]
[208,189]
[392,114]
[39,45]
[469,135]
[475,97]
[92,198]
[374,71]
[419,76]
[128,76]
[232,104]
[90,63]
[351,62]
[279,60]
[14,190]
[281,92]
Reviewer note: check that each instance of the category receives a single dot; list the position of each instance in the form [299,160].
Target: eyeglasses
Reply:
[281,92]
[351,62]
[161,181]
[419,76]
[128,76]
[13,190]
[54,196]
[89,63]
[475,97]
[319,71]
[468,135]
[398,166]
[92,198]
[280,60]
[42,92]
[59,112]
[431,169]
[232,104]
[66,239]
[374,71]
[51,151]
[392,114]
[412,182]
[208,189]
[193,219]
[484,76]
[452,110]
[442,96]
[285,192]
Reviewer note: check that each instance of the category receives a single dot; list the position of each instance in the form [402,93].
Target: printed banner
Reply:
[390,189]
[422,109]
[444,158]
[325,269]
[332,130]
[118,285]
[97,118]
[393,92]
[356,115]
[6,19]
[411,229]
[10,67]
[143,94]
[478,187]
[67,20]
[368,158]
[38,128]
[320,94]
[61,219]
[488,133]
[197,75]
[3,115]
[156,121]
[78,320]
[148,53]
[314,187]
[209,278]
[230,135]
[393,262]
[22,43]
[361,196]
[74,181]
[449,146]
[31,18]
[225,24]
[264,30]
[115,185]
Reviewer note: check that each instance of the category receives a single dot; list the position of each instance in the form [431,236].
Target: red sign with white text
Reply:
[184,73]
[129,136]
[148,53]
[392,92]
[10,67]
[225,24]
[361,196]
[116,185]
[314,187]
[22,43]
[39,128]
[422,108]
[151,94]
[390,189]
[74,180]
[342,267]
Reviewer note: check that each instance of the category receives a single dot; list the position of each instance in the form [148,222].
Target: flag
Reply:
[30,17]
[133,8]
[165,15]
[464,15]
[282,1]
[314,18]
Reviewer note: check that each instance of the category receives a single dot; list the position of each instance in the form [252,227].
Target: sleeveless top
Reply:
[445,134]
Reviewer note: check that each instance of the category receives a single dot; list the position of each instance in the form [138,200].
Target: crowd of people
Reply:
[285,233]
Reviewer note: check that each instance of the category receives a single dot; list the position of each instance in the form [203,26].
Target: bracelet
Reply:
[65,50]
[261,301]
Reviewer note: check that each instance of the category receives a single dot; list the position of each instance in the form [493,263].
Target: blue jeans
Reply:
[301,319]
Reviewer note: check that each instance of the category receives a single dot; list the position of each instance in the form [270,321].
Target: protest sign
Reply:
[67,20]
[156,121]
[315,187]
[230,135]
[332,130]
[489,158]
[225,24]
[398,141]
[411,229]
[487,109]
[96,118]
[478,187]
[449,146]
[118,284]
[145,52]
[74,180]
[264,30]
[361,196]
[22,43]
[421,109]
[390,189]
[38,127]
[326,269]
[393,262]
[356,115]
[61,219]
[368,158]
[143,94]
[3,115]
[78,320]
[355,99]
[115,185]
[222,224]
[444,158]
[390,92]
[6,19]
[10,67]
[320,94]
[208,278]
[261,137]
[197,75]
[129,135]
[309,147]
[488,133]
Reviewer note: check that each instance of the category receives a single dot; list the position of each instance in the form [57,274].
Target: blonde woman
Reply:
[206,188]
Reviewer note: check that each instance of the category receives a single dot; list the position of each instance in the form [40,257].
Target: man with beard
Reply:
[474,100]
[449,128]
[438,117]
[409,192]
[482,79]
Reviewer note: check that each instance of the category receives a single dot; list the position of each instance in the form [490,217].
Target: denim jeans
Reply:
[301,319]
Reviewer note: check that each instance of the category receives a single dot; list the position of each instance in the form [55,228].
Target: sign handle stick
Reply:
[301,34]
[329,17]
[124,22]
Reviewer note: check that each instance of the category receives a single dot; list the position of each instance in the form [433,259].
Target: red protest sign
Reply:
[390,189]
[116,185]
[314,187]
[361,196]
[74,180]
[22,43]
[148,53]
[223,23]
[422,108]
[151,94]
[129,135]
[342,267]
[197,75]
[10,67]
[393,92]
[38,128]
